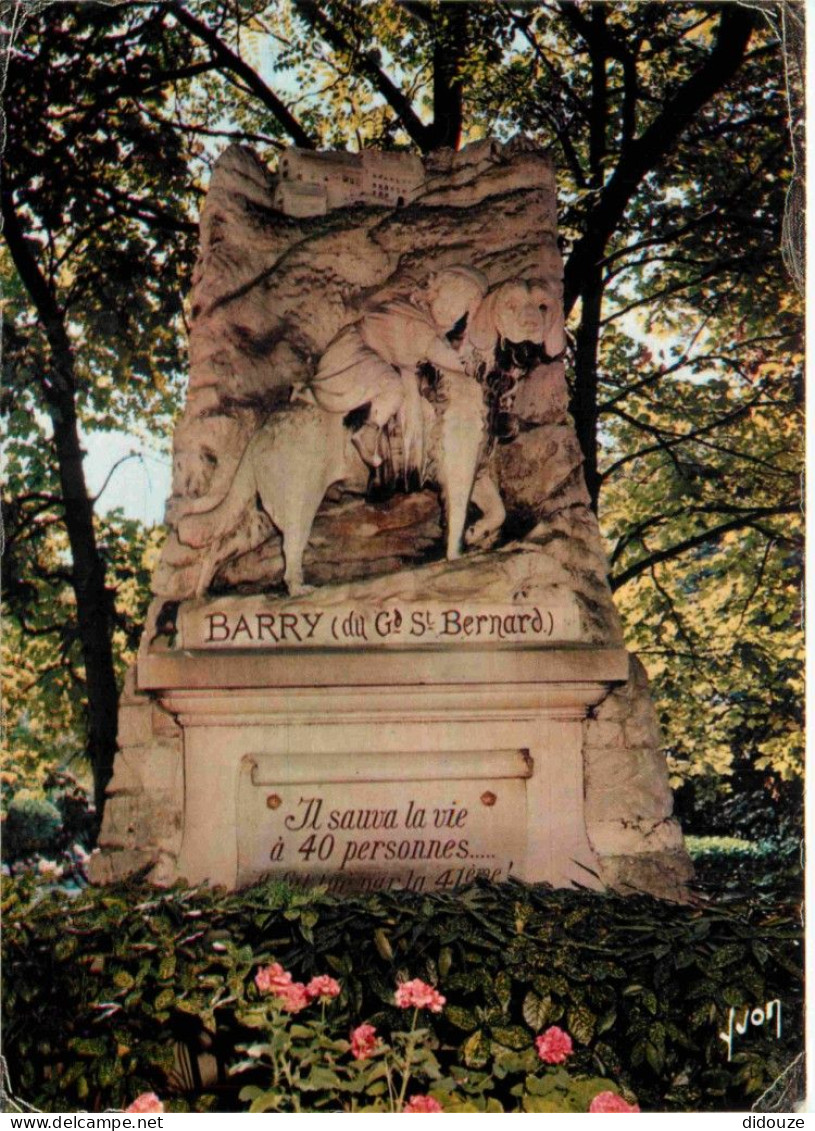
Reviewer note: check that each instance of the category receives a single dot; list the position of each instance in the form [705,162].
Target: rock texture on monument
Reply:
[376,462]
[271,292]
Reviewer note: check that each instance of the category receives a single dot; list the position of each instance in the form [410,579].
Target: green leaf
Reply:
[320,1079]
[503,989]
[462,1018]
[649,1000]
[476,1050]
[654,1057]
[88,1046]
[107,1070]
[606,1021]
[546,1084]
[580,1023]
[541,1105]
[511,1036]
[383,945]
[266,1101]
[535,1010]
[506,1062]
[65,948]
[445,961]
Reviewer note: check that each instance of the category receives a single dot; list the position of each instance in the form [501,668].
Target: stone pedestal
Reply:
[390,766]
[364,771]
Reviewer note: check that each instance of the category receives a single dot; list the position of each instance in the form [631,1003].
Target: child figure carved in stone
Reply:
[373,362]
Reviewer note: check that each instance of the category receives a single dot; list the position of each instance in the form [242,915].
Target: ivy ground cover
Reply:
[104,988]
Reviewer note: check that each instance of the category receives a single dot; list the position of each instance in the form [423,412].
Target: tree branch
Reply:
[149,212]
[644,152]
[368,66]
[758,582]
[600,43]
[666,438]
[604,43]
[635,533]
[34,282]
[122,459]
[229,59]
[682,631]
[419,11]
[664,371]
[448,95]
[35,162]
[712,535]
[714,268]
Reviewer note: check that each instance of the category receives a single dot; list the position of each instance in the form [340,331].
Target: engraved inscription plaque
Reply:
[252,622]
[425,826]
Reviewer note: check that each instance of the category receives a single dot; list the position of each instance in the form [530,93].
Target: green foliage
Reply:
[558,1091]
[693,381]
[46,812]
[700,402]
[32,825]
[92,337]
[702,847]
[769,870]
[309,1068]
[646,985]
[43,667]
[718,627]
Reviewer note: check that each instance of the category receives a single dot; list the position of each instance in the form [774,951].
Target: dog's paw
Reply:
[300,589]
[481,536]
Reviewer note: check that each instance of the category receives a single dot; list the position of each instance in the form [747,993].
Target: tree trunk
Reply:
[93,599]
[583,277]
[583,405]
[448,94]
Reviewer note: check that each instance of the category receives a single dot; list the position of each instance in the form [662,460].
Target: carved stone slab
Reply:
[383,820]
[249,622]
[423,775]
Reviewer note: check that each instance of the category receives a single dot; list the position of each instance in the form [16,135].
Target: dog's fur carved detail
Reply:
[301,450]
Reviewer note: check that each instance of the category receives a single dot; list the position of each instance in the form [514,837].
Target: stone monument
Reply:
[383,650]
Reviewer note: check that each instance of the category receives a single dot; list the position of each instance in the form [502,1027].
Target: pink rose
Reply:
[611,1102]
[270,978]
[419,995]
[423,1104]
[323,986]
[554,1046]
[363,1041]
[146,1102]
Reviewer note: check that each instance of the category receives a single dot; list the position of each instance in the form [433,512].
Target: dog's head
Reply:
[519,311]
